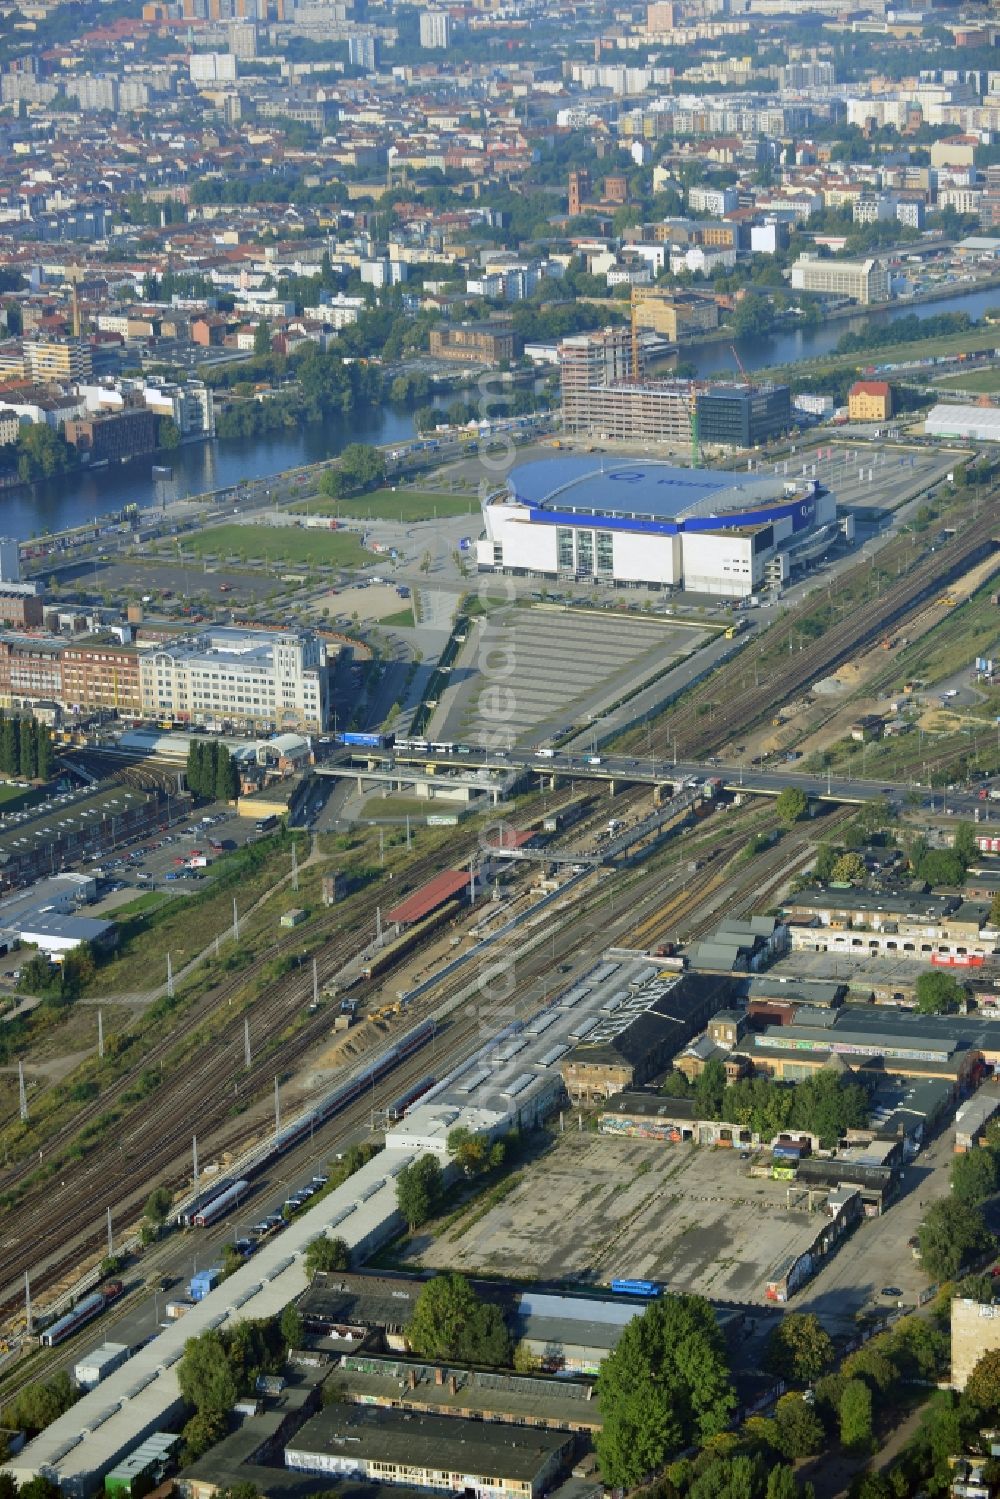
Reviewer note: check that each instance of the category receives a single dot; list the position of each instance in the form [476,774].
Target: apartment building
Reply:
[30,670]
[435,29]
[863,281]
[249,677]
[675,315]
[190,406]
[56,361]
[101,675]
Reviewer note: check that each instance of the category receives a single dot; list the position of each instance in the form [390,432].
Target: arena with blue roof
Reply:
[641,522]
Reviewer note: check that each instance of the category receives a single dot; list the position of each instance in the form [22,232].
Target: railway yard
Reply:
[297,1029]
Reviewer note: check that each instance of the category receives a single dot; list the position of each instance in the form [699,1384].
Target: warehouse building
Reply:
[941,929]
[648,523]
[640,1030]
[448,1454]
[969,423]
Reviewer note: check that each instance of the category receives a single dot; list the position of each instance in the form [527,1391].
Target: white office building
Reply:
[259,679]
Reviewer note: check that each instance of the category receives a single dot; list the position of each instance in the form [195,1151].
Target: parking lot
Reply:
[563,666]
[595,1208]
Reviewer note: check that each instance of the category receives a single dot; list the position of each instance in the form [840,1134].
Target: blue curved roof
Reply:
[643,489]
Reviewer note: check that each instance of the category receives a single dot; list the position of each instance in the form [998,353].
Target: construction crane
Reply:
[695,451]
[739,365]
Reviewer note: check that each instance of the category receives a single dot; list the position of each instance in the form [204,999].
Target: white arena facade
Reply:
[651,524]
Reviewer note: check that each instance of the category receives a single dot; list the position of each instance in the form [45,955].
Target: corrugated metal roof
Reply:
[422,902]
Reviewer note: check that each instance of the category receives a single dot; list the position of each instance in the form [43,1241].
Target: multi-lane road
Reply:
[750,779]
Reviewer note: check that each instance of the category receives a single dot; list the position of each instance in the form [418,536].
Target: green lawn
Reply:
[282,544]
[400,505]
[13,798]
[147,901]
[986,381]
[401,620]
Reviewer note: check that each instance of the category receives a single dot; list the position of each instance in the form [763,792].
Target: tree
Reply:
[44,752]
[39,1404]
[965,845]
[791,804]
[473,1151]
[983,1387]
[362,466]
[27,754]
[710,1089]
[873,1366]
[665,1386]
[941,866]
[799,1348]
[849,869]
[856,1415]
[293,1327]
[227,781]
[168,434]
[262,338]
[781,1483]
[824,863]
[974,1176]
[939,993]
[204,1375]
[451,1322]
[419,1189]
[951,1234]
[326,1255]
[798,1429]
[204,1429]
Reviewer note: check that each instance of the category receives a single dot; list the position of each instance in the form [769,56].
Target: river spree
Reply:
[73,499]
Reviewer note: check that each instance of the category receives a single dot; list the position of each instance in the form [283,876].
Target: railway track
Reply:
[687,729]
[155,1135]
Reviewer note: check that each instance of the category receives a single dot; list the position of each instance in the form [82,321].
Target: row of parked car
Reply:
[273,1223]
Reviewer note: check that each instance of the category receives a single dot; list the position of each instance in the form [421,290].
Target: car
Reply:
[893,1292]
[171,874]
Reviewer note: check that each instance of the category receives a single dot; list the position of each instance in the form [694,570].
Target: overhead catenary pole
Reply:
[246,1042]
[100,1034]
[111,1244]
[22,1093]
[194,1158]
[277,1108]
[315,982]
[236,921]
[27,1305]
[295,869]
[378,926]
[170,978]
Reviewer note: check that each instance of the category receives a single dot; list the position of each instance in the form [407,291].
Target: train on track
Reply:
[195,1214]
[86,1309]
[406,1100]
[221,1204]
